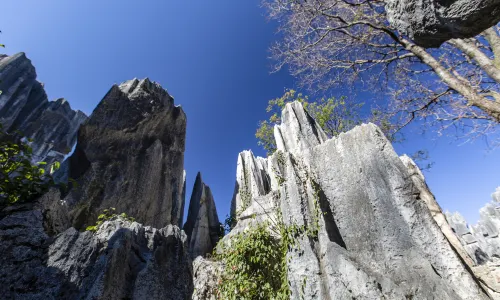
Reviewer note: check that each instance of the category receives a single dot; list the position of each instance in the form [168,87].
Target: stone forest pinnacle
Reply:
[129,157]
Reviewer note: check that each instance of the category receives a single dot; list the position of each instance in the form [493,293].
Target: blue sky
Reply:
[211,56]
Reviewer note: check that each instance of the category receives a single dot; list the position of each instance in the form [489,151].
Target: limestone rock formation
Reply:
[430,23]
[202,226]
[252,180]
[482,242]
[436,211]
[24,107]
[123,260]
[129,155]
[376,237]
[205,272]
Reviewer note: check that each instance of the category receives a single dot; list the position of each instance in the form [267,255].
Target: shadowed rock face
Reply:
[24,107]
[432,22]
[377,238]
[129,155]
[202,226]
[122,260]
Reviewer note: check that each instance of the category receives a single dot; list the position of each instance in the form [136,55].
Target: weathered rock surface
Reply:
[24,107]
[482,242]
[129,155]
[376,237]
[436,211]
[202,226]
[122,260]
[206,274]
[430,23]
[252,180]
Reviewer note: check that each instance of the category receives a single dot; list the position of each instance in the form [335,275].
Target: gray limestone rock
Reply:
[436,211]
[252,180]
[430,23]
[206,273]
[482,243]
[202,226]
[129,155]
[24,107]
[481,240]
[122,260]
[298,131]
[376,236]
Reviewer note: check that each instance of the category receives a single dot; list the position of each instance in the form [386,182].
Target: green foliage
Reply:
[333,115]
[229,223]
[254,266]
[255,261]
[20,179]
[108,215]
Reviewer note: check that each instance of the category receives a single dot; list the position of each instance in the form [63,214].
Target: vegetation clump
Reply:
[21,180]
[108,215]
[255,261]
[334,116]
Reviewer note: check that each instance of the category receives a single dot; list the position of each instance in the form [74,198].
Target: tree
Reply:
[333,116]
[20,179]
[327,43]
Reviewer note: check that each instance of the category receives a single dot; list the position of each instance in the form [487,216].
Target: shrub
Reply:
[108,215]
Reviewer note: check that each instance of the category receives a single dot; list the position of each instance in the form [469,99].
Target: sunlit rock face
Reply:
[130,156]
[377,237]
[482,242]
[24,107]
[122,260]
[430,23]
[202,226]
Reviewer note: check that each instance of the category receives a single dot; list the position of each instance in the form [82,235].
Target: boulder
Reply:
[430,23]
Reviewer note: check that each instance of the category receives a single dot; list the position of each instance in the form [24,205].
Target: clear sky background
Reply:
[211,56]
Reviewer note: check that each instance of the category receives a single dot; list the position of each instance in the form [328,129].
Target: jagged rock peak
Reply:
[136,88]
[482,239]
[376,237]
[298,130]
[482,242]
[252,180]
[202,225]
[24,107]
[130,155]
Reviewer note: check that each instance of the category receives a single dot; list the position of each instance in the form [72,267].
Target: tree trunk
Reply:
[494,40]
[491,108]
[476,54]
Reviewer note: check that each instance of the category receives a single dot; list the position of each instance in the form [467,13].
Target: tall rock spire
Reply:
[202,225]
[129,155]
